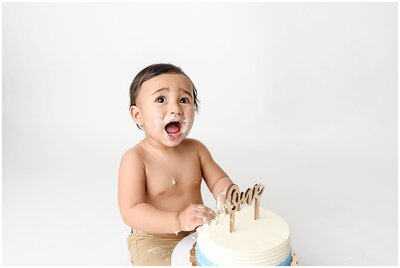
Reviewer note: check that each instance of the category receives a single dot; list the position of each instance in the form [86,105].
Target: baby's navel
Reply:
[173,181]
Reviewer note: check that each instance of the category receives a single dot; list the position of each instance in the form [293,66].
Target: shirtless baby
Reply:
[160,178]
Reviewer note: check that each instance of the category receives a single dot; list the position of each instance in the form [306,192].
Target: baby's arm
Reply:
[216,179]
[139,214]
[132,199]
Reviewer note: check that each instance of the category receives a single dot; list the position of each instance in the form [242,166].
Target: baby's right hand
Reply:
[195,215]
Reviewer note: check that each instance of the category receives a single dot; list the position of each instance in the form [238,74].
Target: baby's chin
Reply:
[174,140]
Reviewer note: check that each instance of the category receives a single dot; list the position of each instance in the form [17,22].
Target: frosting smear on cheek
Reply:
[158,124]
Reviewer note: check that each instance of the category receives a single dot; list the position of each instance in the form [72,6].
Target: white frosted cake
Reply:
[265,241]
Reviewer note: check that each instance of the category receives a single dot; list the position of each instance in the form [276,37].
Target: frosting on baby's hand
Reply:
[195,215]
[221,203]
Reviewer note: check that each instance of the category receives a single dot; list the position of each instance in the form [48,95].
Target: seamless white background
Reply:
[299,96]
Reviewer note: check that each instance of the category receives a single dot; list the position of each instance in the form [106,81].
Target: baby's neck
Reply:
[158,147]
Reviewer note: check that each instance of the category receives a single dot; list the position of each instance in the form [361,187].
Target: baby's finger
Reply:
[211,213]
[197,207]
[202,219]
[222,209]
[187,228]
[191,224]
[199,214]
[197,221]
[205,218]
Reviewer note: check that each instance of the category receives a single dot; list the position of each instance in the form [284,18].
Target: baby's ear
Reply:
[136,115]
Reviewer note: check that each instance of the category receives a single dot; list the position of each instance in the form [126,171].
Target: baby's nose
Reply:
[175,109]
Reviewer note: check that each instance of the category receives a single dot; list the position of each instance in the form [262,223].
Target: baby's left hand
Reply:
[221,203]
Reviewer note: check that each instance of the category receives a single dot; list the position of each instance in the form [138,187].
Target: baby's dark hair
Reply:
[152,71]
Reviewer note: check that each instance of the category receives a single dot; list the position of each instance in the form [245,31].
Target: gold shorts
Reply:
[147,249]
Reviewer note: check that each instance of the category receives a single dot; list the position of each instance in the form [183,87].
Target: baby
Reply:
[159,184]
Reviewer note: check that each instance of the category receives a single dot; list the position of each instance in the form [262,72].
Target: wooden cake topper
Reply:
[234,198]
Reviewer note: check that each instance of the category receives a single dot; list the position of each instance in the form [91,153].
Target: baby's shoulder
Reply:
[194,144]
[134,154]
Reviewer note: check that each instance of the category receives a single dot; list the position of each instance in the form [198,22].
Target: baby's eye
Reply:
[161,99]
[184,100]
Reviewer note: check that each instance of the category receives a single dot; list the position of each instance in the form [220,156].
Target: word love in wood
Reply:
[234,198]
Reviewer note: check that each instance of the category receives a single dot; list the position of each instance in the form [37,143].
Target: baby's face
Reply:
[166,107]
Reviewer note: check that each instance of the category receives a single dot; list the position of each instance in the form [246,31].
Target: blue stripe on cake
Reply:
[287,261]
[202,261]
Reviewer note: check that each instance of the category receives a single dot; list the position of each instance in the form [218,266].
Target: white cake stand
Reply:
[181,254]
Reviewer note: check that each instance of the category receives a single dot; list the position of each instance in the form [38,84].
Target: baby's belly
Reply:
[176,203]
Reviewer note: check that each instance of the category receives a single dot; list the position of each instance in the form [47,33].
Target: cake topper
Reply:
[234,198]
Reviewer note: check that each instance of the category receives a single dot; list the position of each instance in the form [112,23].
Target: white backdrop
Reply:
[299,96]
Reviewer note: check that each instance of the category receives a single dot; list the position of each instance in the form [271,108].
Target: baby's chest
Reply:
[172,176]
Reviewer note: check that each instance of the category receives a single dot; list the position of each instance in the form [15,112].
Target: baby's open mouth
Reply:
[173,129]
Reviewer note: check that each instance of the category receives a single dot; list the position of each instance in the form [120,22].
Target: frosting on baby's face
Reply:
[173,128]
[166,107]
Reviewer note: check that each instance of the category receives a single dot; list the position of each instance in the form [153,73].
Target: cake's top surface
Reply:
[268,232]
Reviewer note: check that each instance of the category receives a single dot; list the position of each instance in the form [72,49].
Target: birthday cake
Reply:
[241,238]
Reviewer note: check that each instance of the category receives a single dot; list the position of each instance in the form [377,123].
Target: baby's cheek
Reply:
[158,123]
[187,125]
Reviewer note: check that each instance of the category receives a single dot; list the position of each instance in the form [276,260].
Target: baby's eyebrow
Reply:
[165,88]
[158,90]
[187,92]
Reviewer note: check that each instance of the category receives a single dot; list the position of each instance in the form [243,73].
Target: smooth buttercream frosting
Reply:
[265,241]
